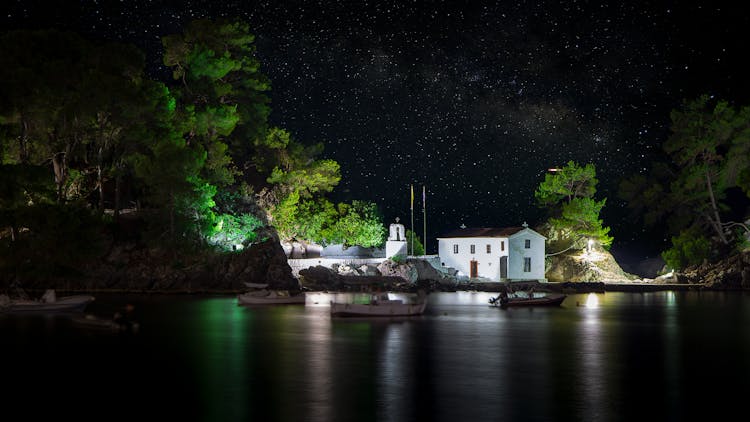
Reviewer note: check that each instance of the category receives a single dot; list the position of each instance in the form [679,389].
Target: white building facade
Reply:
[396,243]
[497,254]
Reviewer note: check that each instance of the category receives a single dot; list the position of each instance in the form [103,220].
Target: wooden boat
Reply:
[49,303]
[270,297]
[379,306]
[503,301]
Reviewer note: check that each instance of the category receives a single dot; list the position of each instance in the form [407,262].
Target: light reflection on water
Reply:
[590,359]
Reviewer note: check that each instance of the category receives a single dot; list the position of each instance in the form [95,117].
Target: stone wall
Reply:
[302,264]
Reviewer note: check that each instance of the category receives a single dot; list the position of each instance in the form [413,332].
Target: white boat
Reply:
[49,303]
[504,301]
[379,306]
[270,297]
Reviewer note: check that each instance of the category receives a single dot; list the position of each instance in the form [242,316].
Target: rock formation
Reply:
[579,266]
[127,267]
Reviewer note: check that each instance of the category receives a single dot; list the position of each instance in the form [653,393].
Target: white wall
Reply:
[518,252]
[488,264]
[395,247]
[301,264]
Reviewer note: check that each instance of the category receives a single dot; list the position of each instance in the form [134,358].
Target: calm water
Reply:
[600,357]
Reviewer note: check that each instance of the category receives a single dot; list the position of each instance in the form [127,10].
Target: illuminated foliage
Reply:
[231,230]
[574,214]
[170,170]
[221,92]
[567,183]
[357,224]
[579,219]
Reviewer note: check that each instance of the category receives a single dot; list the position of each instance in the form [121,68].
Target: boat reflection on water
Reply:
[460,360]
[380,305]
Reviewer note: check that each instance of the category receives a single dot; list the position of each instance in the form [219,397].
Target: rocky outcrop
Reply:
[582,266]
[320,278]
[411,275]
[732,273]
[127,267]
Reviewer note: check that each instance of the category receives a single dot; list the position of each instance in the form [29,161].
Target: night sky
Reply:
[473,99]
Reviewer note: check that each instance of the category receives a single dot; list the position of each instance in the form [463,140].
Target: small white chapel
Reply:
[498,254]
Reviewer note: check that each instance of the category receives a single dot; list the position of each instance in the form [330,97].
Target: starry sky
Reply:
[473,99]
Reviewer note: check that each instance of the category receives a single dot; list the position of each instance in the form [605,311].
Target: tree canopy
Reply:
[567,194]
[707,154]
[83,126]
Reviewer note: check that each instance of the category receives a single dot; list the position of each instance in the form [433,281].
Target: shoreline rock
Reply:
[127,269]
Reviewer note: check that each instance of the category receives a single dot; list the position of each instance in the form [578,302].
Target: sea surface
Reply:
[662,356]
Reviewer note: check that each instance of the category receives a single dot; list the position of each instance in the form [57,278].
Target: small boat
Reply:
[49,303]
[270,297]
[504,301]
[379,306]
[115,324]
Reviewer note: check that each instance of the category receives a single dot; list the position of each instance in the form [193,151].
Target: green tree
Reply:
[357,224]
[222,92]
[294,166]
[297,182]
[701,134]
[691,247]
[41,80]
[170,169]
[78,118]
[567,184]
[304,220]
[706,154]
[112,110]
[568,194]
[418,248]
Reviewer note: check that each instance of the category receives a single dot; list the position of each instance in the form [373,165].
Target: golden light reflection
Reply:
[591,351]
[318,331]
[592,301]
[671,299]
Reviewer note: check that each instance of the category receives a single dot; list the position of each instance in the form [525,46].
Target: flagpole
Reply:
[424,220]
[411,205]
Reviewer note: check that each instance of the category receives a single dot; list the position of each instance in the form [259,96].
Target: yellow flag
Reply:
[411,204]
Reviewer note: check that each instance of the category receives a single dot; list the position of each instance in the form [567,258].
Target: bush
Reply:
[689,248]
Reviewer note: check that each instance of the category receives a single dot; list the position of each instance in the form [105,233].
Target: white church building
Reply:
[498,254]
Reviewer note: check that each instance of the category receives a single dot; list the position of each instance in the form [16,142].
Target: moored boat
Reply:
[49,303]
[270,297]
[504,301]
[379,306]
[117,324]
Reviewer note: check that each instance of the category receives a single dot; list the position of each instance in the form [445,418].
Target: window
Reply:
[472,249]
[527,265]
[502,245]
[527,243]
[489,249]
[455,248]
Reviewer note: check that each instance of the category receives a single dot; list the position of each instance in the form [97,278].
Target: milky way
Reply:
[475,100]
